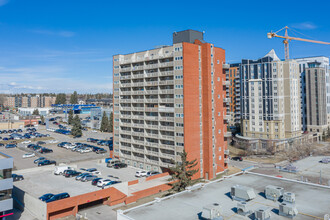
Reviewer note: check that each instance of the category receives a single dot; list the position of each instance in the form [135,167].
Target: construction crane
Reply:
[287,39]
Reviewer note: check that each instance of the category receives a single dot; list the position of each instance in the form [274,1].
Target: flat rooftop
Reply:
[312,202]
[41,180]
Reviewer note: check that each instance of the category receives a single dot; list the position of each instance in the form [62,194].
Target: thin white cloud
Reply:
[304,25]
[3,2]
[54,33]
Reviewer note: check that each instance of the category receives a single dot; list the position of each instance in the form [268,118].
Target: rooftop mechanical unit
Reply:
[288,210]
[289,197]
[262,213]
[273,192]
[212,212]
[242,193]
[242,209]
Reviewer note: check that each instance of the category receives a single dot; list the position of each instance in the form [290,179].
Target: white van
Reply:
[60,170]
[112,162]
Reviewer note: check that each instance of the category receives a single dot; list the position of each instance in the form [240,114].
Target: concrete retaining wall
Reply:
[24,201]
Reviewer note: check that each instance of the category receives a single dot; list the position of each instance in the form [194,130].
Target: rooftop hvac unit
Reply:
[242,209]
[242,193]
[288,210]
[262,214]
[212,212]
[289,197]
[273,192]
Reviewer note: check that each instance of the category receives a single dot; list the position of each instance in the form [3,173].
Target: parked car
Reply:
[58,197]
[94,181]
[85,150]
[26,142]
[46,196]
[81,176]
[46,162]
[17,177]
[119,165]
[11,146]
[45,150]
[39,159]
[71,173]
[28,155]
[1,145]
[88,177]
[101,151]
[111,183]
[152,173]
[112,162]
[141,173]
[53,141]
[91,170]
[41,142]
[237,158]
[102,182]
[60,169]
[94,131]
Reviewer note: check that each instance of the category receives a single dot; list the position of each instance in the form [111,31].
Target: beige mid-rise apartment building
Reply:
[270,98]
[171,99]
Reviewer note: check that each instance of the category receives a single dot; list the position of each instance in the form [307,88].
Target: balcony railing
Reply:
[226,83]
[166,73]
[166,91]
[167,137]
[165,109]
[137,92]
[166,82]
[137,76]
[150,92]
[152,161]
[225,66]
[228,134]
[137,100]
[151,83]
[226,152]
[125,69]
[135,68]
[166,146]
[166,100]
[125,77]
[151,100]
[165,64]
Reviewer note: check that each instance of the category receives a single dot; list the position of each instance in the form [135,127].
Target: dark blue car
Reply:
[46,197]
[58,197]
[46,162]
[10,146]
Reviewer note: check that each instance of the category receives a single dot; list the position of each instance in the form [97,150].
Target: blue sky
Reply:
[67,45]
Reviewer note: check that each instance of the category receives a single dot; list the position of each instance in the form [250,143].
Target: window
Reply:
[179,144]
[5,173]
[179,124]
[179,77]
[179,134]
[219,148]
[5,194]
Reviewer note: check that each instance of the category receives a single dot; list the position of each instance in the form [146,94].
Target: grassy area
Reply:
[270,159]
[231,170]
[233,151]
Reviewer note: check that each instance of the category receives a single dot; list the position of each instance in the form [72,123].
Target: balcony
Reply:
[137,92]
[164,164]
[125,77]
[168,156]
[226,152]
[125,93]
[166,82]
[137,100]
[166,91]
[166,73]
[166,118]
[151,135]
[151,66]
[227,100]
[137,76]
[228,134]
[154,74]
[137,108]
[125,124]
[125,85]
[226,160]
[137,84]
[125,132]
[165,109]
[165,64]
[151,83]
[166,146]
[137,133]
[150,152]
[151,100]
[166,128]
[167,137]
[126,69]
[138,150]
[125,116]
[139,117]
[226,83]
[152,161]
[125,108]
[226,66]
[151,117]
[166,100]
[135,68]
[137,125]
[141,159]
[150,92]
[227,117]
[151,126]
[137,141]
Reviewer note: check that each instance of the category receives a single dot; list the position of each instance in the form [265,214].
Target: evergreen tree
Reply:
[76,128]
[328,131]
[60,98]
[182,173]
[111,122]
[104,123]
[70,118]
[35,112]
[42,118]
[74,98]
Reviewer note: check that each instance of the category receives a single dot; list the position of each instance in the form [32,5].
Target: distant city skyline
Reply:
[63,46]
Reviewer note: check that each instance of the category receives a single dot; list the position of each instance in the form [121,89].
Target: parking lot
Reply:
[40,181]
[60,155]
